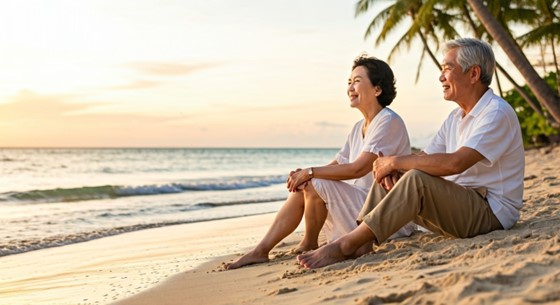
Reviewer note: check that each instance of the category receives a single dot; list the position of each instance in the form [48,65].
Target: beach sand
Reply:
[183,264]
[104,270]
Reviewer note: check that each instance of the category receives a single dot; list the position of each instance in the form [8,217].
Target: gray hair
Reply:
[474,52]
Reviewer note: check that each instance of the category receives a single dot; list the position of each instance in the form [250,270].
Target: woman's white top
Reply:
[386,133]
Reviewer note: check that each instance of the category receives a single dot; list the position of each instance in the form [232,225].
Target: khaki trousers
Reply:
[439,205]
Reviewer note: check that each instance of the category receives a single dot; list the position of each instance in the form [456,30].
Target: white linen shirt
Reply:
[492,129]
[386,133]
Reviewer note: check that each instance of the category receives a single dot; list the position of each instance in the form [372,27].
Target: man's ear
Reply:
[474,73]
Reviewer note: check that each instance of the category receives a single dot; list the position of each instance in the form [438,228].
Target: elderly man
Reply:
[468,181]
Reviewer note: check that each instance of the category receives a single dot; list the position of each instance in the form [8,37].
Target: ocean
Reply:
[55,197]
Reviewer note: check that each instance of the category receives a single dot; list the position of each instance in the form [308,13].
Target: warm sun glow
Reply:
[192,73]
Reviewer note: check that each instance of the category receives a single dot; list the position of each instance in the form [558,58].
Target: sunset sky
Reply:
[182,73]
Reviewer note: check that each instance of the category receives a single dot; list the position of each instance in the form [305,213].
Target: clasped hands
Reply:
[297,180]
[384,172]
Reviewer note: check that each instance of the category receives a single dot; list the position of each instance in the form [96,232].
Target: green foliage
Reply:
[536,129]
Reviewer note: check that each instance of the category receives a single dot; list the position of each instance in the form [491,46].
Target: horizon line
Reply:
[165,147]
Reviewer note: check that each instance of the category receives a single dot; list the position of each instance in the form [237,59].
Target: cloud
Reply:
[27,105]
[167,68]
[33,107]
[139,84]
[30,119]
[330,124]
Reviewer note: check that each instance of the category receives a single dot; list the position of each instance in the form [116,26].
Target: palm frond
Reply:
[377,21]
[404,40]
[540,34]
[419,67]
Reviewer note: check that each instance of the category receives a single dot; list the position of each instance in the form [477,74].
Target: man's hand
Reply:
[383,167]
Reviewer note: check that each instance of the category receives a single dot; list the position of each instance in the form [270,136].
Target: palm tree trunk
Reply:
[544,94]
[471,21]
[555,65]
[534,104]
[499,84]
[543,57]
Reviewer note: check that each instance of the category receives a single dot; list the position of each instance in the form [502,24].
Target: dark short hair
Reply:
[379,74]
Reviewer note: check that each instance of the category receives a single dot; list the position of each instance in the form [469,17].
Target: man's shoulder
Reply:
[498,104]
[455,114]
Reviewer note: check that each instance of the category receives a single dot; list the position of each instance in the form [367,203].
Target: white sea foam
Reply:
[52,197]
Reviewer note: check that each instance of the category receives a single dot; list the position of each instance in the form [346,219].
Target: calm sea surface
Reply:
[52,197]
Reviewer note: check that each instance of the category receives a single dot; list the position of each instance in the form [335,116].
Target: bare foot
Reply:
[331,253]
[301,248]
[363,250]
[248,259]
[326,255]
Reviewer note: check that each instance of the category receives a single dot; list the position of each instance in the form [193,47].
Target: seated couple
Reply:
[467,181]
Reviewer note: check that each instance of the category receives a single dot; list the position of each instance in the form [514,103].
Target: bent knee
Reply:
[309,189]
[417,176]
[413,173]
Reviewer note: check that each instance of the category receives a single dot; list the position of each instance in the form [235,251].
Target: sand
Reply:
[183,264]
[107,269]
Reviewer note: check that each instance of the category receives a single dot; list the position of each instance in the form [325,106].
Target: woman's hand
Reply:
[296,179]
[389,181]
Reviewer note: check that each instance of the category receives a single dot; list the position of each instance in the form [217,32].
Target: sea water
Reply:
[53,197]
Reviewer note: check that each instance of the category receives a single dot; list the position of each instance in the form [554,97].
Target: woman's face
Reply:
[360,90]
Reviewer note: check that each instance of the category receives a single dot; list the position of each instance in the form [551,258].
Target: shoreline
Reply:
[77,238]
[104,270]
[181,264]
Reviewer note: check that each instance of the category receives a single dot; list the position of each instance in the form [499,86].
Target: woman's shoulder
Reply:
[390,113]
[390,116]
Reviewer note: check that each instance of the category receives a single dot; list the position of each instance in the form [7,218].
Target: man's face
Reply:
[452,78]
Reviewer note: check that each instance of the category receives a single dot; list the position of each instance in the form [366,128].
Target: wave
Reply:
[184,207]
[116,191]
[237,202]
[10,247]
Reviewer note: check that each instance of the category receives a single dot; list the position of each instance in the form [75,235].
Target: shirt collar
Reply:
[480,105]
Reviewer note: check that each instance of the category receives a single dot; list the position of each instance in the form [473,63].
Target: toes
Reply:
[302,257]
[303,261]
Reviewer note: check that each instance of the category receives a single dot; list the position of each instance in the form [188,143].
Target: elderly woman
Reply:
[330,197]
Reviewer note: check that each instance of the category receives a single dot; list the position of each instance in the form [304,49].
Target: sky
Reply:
[185,73]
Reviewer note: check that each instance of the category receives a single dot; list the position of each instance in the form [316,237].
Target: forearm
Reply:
[341,171]
[433,164]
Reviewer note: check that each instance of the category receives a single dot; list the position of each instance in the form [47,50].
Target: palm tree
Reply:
[389,18]
[506,14]
[435,20]
[546,32]
[544,94]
